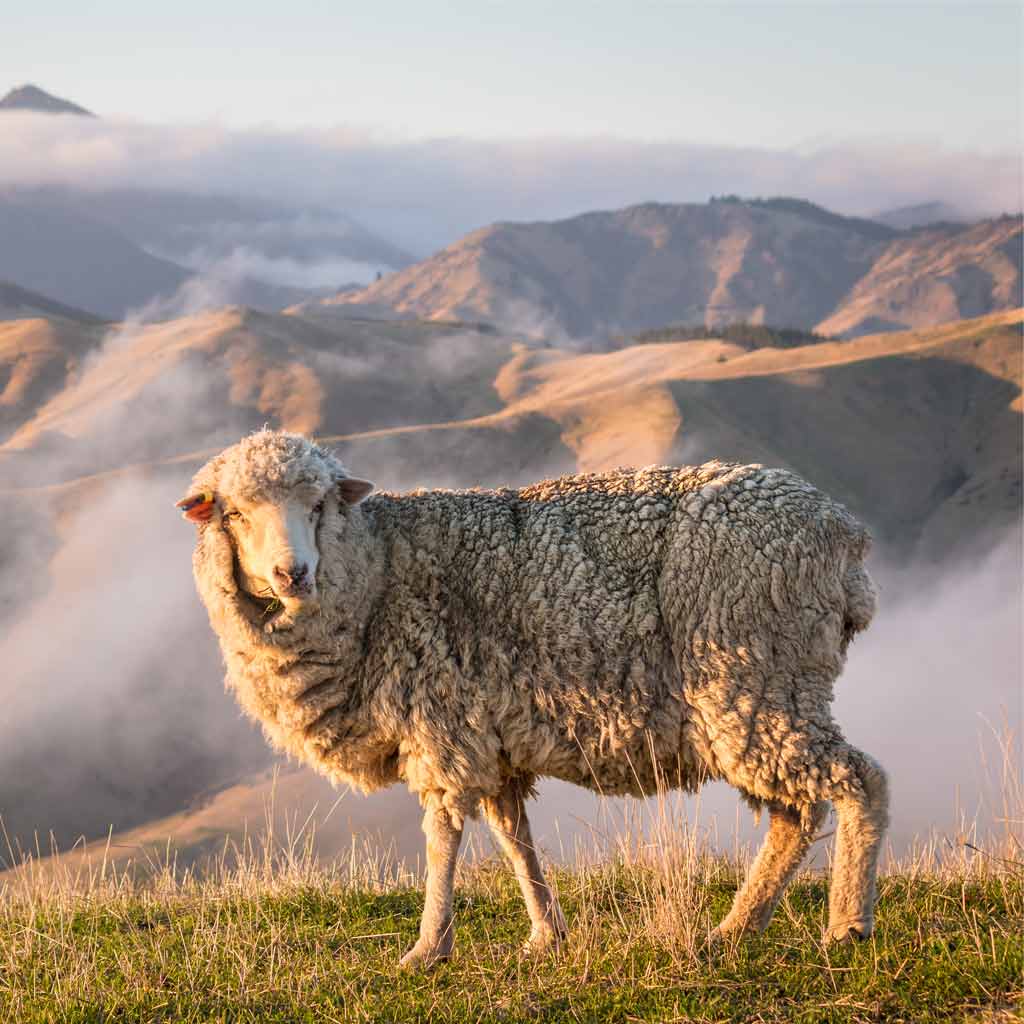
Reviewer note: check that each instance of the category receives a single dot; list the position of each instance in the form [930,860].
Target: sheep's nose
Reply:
[292,577]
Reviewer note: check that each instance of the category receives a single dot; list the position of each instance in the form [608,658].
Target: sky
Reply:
[763,75]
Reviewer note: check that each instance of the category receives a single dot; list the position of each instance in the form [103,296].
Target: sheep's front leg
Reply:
[506,815]
[784,848]
[436,931]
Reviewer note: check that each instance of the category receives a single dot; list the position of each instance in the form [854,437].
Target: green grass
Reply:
[276,937]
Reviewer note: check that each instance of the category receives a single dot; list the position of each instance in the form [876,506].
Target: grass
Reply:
[271,935]
[266,932]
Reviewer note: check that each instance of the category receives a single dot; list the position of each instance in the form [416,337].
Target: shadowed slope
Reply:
[19,304]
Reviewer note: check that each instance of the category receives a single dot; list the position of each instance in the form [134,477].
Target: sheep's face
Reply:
[276,542]
[276,549]
[276,497]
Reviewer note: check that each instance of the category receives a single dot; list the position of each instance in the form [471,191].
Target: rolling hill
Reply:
[903,218]
[397,393]
[778,262]
[302,247]
[38,357]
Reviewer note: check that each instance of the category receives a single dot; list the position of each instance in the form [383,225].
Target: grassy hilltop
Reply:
[268,935]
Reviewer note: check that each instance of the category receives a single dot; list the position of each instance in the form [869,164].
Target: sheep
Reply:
[620,630]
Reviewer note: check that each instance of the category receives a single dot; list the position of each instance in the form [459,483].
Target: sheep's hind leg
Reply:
[861,801]
[506,815]
[436,929]
[784,847]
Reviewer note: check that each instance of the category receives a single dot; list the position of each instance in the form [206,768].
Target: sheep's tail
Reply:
[860,591]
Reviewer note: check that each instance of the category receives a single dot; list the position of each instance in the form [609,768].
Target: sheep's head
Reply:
[269,497]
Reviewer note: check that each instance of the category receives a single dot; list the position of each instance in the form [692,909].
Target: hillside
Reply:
[935,275]
[920,215]
[302,247]
[919,432]
[201,380]
[776,262]
[397,393]
[38,357]
[72,248]
[77,261]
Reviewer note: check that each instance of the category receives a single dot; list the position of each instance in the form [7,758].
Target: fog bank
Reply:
[423,194]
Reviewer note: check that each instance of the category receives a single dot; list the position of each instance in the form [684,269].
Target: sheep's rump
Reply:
[669,625]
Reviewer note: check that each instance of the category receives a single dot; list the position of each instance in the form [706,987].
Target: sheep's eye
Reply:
[233,516]
[318,508]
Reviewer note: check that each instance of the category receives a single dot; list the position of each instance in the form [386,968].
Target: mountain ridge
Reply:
[784,262]
[17,303]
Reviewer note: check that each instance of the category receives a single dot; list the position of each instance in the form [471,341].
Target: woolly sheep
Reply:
[617,630]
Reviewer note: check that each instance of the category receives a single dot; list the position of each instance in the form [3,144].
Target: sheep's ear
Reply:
[353,490]
[197,507]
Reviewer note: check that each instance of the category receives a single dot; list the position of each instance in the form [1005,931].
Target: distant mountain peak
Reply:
[31,97]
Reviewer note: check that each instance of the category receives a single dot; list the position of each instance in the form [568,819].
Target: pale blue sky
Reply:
[753,74]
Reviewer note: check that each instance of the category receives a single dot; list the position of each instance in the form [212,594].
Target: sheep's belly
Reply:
[622,735]
[627,773]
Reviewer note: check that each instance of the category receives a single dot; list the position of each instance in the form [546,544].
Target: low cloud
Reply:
[243,262]
[110,718]
[423,194]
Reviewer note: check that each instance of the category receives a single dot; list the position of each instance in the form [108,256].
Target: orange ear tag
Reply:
[197,507]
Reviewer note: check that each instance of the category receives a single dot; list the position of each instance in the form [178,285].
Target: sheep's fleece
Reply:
[618,630]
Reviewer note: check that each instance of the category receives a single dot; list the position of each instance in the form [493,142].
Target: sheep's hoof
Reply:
[544,939]
[849,932]
[721,936]
[423,956]
[733,927]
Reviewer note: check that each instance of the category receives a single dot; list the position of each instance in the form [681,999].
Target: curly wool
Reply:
[616,630]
